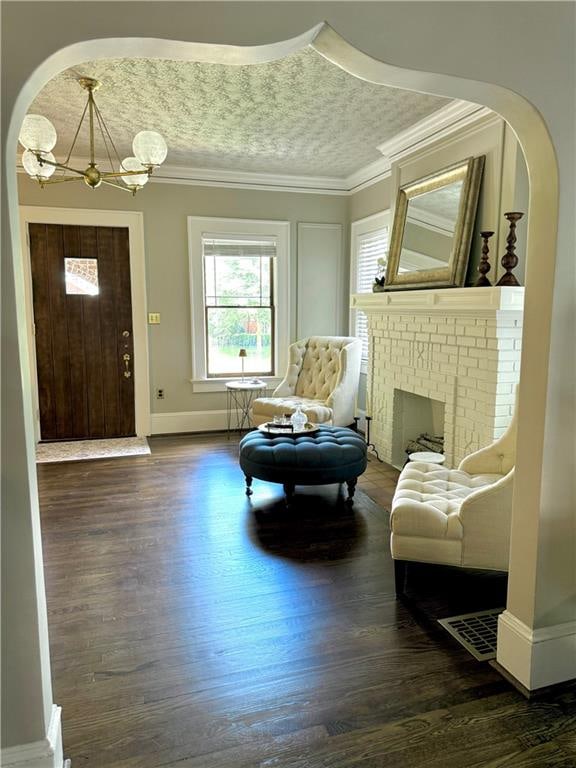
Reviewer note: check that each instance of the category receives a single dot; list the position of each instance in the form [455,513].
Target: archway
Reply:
[541,163]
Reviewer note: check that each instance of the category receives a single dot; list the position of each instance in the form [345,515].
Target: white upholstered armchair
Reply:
[456,516]
[322,376]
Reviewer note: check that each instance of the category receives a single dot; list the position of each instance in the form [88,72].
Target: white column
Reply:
[31,736]
[537,632]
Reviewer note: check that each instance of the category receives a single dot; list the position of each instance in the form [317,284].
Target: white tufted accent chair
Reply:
[456,516]
[322,376]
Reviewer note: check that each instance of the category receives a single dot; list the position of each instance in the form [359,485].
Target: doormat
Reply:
[81,450]
[475,631]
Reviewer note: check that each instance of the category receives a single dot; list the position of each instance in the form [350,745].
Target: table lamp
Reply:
[242,355]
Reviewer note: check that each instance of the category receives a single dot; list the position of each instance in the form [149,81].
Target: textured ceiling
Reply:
[299,115]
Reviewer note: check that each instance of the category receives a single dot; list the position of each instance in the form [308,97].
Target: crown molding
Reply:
[218,177]
[440,124]
[368,175]
[324,185]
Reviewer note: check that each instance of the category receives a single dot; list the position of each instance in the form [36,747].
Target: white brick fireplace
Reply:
[459,346]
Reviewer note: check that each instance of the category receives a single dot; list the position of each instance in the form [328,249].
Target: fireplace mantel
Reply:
[478,302]
[457,346]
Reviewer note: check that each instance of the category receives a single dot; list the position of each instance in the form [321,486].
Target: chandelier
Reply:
[38,137]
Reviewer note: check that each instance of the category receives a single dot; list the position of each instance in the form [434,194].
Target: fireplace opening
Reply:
[418,426]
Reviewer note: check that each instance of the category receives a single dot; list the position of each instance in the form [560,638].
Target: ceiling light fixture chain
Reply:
[38,137]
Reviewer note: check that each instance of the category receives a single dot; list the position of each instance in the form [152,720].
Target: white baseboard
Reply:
[46,753]
[536,657]
[188,421]
[202,421]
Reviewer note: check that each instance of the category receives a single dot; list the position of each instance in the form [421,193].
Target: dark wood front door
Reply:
[83,331]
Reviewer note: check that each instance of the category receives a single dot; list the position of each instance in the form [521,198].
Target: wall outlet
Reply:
[159,394]
[153,318]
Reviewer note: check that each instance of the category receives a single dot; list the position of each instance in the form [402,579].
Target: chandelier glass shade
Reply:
[132,164]
[38,137]
[149,148]
[37,134]
[34,168]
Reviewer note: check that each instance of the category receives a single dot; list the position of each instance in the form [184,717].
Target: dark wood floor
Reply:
[193,628]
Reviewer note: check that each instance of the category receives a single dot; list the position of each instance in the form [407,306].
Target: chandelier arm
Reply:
[106,175]
[119,186]
[60,180]
[103,125]
[43,160]
[67,160]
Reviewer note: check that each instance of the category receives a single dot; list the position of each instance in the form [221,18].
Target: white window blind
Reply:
[239,303]
[238,246]
[370,246]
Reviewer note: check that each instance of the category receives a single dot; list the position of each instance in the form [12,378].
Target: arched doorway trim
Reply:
[542,229]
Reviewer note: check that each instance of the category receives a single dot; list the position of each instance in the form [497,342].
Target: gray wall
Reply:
[165,208]
[378,197]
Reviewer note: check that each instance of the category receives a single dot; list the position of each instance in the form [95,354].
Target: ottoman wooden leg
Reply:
[249,490]
[289,491]
[351,488]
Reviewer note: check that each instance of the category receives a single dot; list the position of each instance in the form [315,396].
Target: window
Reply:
[239,303]
[369,243]
[81,276]
[240,299]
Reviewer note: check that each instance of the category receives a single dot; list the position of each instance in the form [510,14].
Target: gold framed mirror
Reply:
[432,229]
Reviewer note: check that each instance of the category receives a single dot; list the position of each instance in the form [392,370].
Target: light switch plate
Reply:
[154,318]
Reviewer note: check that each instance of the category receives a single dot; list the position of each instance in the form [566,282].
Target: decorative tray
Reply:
[286,429]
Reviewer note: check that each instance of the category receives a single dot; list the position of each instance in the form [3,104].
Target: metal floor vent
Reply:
[475,631]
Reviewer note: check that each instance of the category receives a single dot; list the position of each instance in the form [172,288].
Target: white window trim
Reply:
[358,228]
[197,226]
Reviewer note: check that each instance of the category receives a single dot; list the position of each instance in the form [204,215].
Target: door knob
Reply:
[127,371]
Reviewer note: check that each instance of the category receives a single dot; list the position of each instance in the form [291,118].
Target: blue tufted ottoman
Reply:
[330,455]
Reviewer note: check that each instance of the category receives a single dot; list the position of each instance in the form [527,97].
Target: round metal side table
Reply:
[239,397]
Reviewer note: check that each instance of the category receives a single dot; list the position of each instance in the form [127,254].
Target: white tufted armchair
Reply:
[322,376]
[456,516]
